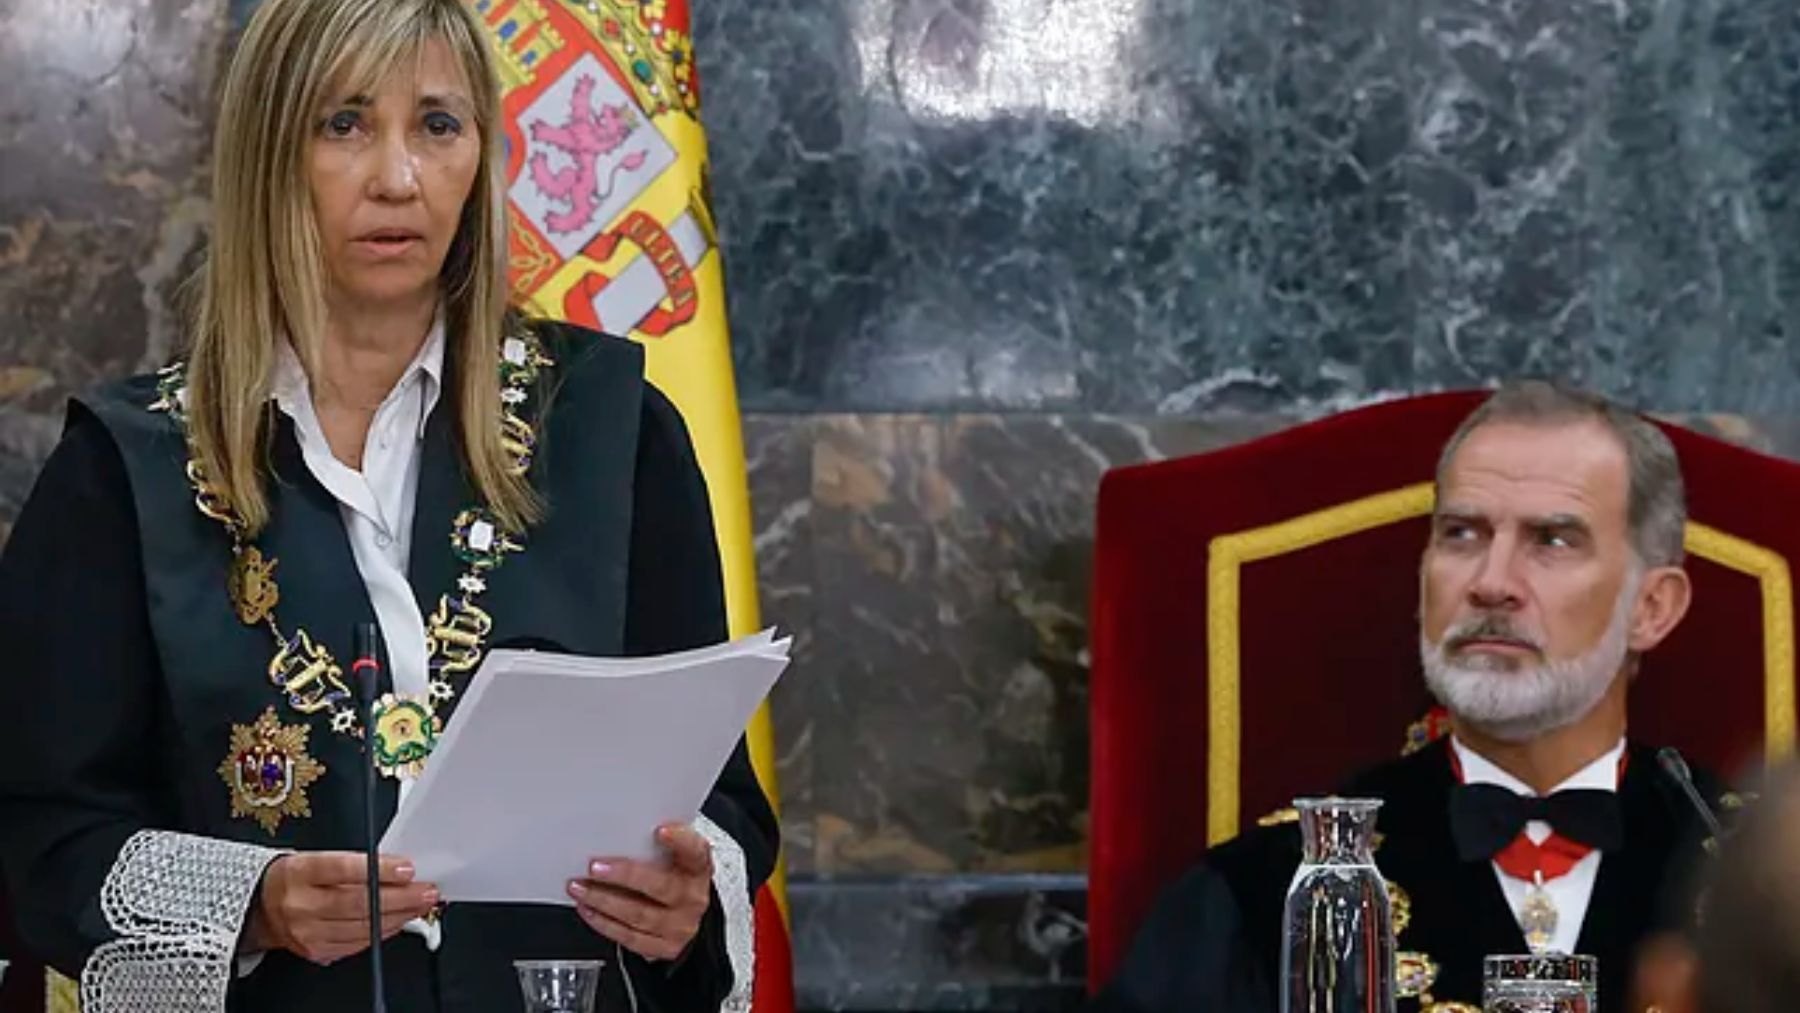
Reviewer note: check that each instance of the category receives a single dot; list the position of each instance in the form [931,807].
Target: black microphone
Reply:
[1677,769]
[366,670]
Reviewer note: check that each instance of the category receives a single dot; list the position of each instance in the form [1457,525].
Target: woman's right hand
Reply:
[316,904]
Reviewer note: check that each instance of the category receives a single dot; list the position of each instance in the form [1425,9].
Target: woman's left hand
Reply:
[651,909]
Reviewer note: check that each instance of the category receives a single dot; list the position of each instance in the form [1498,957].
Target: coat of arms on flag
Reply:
[608,217]
[611,227]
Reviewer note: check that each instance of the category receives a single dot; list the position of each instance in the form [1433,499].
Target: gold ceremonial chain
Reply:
[406,726]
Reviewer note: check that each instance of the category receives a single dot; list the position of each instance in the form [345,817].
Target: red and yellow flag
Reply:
[612,228]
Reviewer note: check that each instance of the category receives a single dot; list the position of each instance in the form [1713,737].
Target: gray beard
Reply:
[1523,703]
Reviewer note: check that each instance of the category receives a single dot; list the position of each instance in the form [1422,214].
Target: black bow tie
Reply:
[1485,818]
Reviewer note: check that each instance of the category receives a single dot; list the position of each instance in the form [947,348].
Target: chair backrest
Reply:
[1254,633]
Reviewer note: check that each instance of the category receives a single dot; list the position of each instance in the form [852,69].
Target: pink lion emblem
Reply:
[587,137]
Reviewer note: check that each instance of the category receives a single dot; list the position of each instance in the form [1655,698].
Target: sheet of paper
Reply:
[551,760]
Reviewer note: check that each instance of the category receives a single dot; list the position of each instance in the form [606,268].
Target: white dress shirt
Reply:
[377,505]
[377,502]
[1571,892]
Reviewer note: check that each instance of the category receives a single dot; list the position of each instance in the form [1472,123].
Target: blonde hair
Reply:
[264,275]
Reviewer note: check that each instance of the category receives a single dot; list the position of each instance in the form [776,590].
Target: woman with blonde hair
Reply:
[362,430]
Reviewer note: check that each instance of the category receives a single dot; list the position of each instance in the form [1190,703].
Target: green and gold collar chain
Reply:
[406,726]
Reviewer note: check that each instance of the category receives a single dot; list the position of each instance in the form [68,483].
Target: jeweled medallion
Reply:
[251,583]
[406,731]
[268,771]
[1538,917]
[479,539]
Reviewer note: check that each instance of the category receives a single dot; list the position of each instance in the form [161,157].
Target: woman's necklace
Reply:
[406,726]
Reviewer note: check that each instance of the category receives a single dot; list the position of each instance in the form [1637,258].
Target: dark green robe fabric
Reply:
[126,667]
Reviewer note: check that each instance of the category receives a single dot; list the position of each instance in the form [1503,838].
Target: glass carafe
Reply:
[1337,930]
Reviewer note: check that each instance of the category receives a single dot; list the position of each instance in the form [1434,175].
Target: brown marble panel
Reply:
[778,453]
[935,718]
[104,125]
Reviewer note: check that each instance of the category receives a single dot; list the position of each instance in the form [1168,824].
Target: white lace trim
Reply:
[177,903]
[731,881]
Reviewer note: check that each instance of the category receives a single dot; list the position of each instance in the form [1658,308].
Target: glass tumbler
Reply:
[1541,983]
[559,986]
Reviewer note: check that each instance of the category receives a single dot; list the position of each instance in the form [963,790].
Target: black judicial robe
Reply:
[1212,941]
[126,670]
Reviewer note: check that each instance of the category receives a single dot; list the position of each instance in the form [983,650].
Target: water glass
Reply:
[1541,983]
[559,986]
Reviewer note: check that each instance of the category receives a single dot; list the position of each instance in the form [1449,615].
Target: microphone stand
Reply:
[367,672]
[1676,767]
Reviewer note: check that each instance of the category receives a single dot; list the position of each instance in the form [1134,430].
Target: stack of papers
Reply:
[552,760]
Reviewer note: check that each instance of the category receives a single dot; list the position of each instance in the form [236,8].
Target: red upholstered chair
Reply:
[1254,632]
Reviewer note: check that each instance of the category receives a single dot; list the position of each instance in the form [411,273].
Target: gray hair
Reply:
[1656,510]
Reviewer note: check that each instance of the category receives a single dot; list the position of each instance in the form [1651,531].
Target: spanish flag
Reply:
[612,227]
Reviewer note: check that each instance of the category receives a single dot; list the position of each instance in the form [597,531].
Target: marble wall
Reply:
[936,569]
[105,120]
[1139,206]
[982,250]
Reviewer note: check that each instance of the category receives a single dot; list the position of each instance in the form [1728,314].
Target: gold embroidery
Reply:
[1227,556]
[1770,569]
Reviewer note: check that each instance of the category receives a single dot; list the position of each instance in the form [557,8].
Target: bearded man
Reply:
[1554,562]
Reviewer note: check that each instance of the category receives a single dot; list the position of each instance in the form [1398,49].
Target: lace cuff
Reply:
[731,881]
[177,903]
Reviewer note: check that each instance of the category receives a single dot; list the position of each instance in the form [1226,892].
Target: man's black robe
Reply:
[1212,942]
